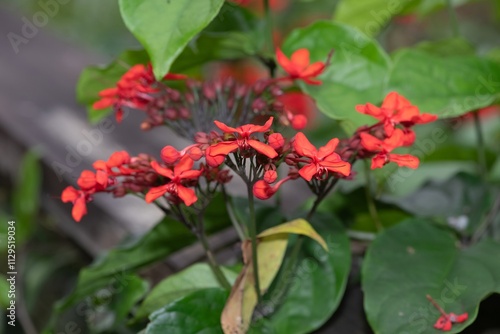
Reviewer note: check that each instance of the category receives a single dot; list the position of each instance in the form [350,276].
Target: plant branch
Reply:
[453,19]
[232,215]
[481,151]
[490,219]
[253,239]
[369,199]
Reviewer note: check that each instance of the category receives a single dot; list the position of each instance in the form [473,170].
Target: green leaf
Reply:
[316,287]
[196,277]
[356,75]
[4,291]
[166,237]
[26,197]
[96,78]
[447,86]
[447,47]
[197,313]
[164,28]
[369,16]
[112,311]
[416,258]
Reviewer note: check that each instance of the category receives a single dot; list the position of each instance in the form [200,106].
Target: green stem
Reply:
[481,152]
[232,215]
[453,19]
[269,25]
[369,199]
[221,278]
[253,239]
[488,221]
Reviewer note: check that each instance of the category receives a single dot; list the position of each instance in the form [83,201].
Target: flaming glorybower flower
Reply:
[382,148]
[242,140]
[298,108]
[181,173]
[319,162]
[299,66]
[133,90]
[396,110]
[79,200]
[446,320]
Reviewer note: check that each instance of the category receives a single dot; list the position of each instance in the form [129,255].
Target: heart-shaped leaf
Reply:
[414,259]
[165,27]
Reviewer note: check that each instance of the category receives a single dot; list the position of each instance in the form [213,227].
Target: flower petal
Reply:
[185,164]
[370,142]
[261,128]
[155,192]
[162,170]
[263,148]
[69,194]
[284,62]
[404,160]
[225,128]
[328,149]
[79,209]
[187,195]
[314,69]
[303,146]
[223,148]
[308,171]
[379,161]
[300,59]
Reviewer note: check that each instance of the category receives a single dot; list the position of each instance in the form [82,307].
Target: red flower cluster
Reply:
[381,139]
[133,90]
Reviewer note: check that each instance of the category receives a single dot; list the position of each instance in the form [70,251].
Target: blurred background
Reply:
[46,139]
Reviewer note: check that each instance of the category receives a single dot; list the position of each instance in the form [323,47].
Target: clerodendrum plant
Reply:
[245,131]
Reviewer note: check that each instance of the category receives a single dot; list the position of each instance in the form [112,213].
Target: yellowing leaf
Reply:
[297,226]
[271,247]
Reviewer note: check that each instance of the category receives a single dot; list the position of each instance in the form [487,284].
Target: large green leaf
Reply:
[96,78]
[356,75]
[197,313]
[166,237]
[447,86]
[164,28]
[196,277]
[26,197]
[416,258]
[369,16]
[316,286]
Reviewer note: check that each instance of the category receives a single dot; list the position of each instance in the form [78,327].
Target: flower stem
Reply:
[369,199]
[232,215]
[436,305]
[481,152]
[253,239]
[488,221]
[212,262]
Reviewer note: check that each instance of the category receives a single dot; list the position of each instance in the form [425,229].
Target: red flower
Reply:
[446,321]
[263,190]
[395,110]
[299,108]
[242,141]
[79,199]
[299,66]
[181,172]
[319,162]
[131,90]
[384,147]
